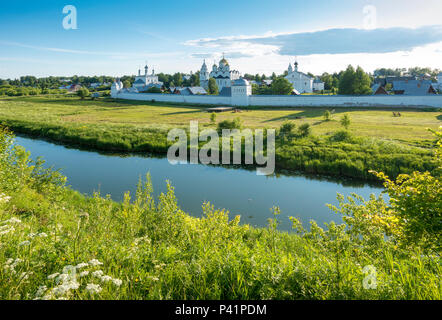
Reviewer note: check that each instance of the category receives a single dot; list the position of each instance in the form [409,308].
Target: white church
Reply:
[143,82]
[301,82]
[222,75]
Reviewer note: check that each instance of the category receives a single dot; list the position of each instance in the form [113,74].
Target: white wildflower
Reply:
[84,273]
[97,274]
[41,290]
[60,290]
[4,198]
[42,235]
[12,221]
[63,278]
[117,282]
[32,235]
[93,288]
[6,230]
[95,262]
[53,276]
[106,278]
[25,275]
[69,269]
[24,243]
[81,265]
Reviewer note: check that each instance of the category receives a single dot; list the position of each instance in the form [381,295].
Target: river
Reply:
[238,190]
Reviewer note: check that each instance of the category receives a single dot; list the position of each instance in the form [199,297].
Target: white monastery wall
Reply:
[293,101]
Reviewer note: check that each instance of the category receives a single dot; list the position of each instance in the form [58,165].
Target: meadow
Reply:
[58,244]
[375,139]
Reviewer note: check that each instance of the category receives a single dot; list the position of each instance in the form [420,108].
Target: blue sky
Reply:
[117,37]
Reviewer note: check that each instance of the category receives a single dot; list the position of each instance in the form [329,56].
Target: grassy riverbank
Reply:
[58,244]
[377,140]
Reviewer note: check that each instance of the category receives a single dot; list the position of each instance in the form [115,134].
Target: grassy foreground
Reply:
[376,139]
[58,244]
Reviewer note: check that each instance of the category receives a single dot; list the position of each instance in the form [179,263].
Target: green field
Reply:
[378,123]
[375,140]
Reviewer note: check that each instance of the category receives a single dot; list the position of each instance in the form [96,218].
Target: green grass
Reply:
[378,141]
[56,243]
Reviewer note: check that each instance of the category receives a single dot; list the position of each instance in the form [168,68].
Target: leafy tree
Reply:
[345,121]
[281,86]
[354,82]
[177,79]
[83,93]
[213,87]
[362,85]
[347,81]
[127,84]
[255,89]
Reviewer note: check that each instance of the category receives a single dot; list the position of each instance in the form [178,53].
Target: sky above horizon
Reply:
[116,38]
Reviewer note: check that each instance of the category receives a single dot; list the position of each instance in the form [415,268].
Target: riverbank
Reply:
[136,127]
[58,244]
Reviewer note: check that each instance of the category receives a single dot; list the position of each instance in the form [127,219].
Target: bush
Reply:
[304,130]
[83,93]
[341,135]
[230,124]
[345,121]
[327,115]
[286,130]
[213,117]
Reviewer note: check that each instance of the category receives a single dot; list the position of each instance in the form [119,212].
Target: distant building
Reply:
[378,89]
[98,84]
[188,91]
[74,88]
[383,81]
[301,82]
[318,85]
[414,87]
[116,87]
[439,82]
[145,81]
[221,73]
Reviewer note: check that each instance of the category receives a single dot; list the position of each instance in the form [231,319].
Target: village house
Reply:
[414,87]
[188,91]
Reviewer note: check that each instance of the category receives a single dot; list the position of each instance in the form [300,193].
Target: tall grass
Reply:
[58,244]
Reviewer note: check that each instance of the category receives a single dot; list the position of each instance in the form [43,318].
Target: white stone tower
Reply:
[204,76]
[241,91]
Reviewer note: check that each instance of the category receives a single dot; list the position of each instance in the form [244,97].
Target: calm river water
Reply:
[240,191]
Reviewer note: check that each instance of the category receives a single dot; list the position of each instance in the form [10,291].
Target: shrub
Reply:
[230,124]
[341,135]
[345,121]
[286,130]
[213,117]
[83,93]
[304,130]
[327,115]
